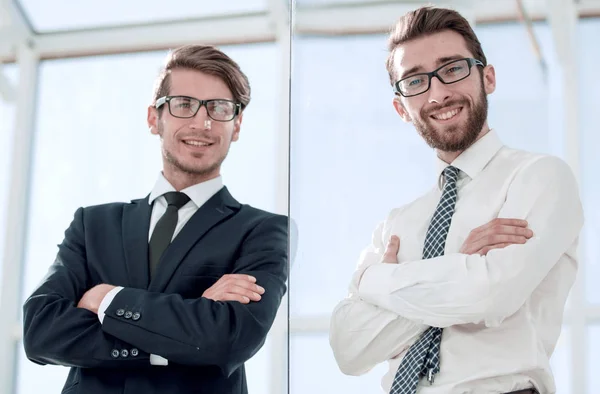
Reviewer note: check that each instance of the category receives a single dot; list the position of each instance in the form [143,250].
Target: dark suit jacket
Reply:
[206,342]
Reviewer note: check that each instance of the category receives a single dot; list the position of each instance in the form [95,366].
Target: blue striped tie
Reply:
[423,357]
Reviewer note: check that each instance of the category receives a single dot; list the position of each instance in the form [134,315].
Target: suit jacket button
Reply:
[124,353]
[114,353]
[134,352]
[120,312]
[136,316]
[128,315]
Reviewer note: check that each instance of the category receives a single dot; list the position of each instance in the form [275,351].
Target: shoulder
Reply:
[535,162]
[255,217]
[110,208]
[539,168]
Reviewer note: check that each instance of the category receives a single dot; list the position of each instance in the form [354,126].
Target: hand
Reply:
[92,298]
[496,234]
[235,287]
[390,256]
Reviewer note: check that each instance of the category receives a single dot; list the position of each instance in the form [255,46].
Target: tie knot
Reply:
[176,199]
[451,174]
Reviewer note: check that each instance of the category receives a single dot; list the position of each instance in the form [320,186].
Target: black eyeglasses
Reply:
[187,107]
[452,72]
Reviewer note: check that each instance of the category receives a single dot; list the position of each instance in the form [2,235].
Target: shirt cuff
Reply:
[108,298]
[158,360]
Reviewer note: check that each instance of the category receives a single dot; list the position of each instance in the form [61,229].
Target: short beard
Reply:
[462,138]
[183,168]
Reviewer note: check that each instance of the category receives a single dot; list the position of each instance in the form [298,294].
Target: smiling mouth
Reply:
[197,143]
[447,115]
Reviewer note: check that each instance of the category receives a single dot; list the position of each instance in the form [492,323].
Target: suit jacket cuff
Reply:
[108,298]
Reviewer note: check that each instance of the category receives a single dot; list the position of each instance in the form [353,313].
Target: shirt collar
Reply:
[198,193]
[474,159]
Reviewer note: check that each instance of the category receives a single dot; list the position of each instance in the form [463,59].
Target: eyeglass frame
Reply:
[203,103]
[470,61]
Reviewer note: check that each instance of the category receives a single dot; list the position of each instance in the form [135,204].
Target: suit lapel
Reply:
[136,224]
[217,209]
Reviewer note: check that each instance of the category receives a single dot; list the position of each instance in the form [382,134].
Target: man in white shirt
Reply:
[174,292]
[463,290]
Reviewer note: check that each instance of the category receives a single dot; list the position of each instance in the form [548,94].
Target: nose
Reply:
[198,120]
[438,91]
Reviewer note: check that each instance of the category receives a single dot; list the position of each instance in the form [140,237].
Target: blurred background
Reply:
[320,140]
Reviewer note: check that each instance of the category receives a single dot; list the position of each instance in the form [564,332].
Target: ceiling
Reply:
[62,28]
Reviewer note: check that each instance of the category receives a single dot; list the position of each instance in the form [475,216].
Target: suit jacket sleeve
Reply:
[201,331]
[55,331]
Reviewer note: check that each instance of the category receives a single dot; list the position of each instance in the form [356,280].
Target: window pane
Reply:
[302,3]
[593,360]
[84,14]
[92,146]
[7,129]
[313,369]
[48,379]
[353,159]
[590,160]
[561,362]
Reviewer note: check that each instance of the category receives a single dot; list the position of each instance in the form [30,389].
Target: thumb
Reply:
[391,251]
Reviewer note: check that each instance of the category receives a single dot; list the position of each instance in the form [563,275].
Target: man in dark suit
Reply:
[174,292]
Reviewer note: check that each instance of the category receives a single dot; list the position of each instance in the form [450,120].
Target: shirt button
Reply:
[124,353]
[128,315]
[120,312]
[134,352]
[114,353]
[136,316]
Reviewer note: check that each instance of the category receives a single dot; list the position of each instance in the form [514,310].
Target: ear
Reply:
[237,124]
[401,110]
[153,119]
[489,79]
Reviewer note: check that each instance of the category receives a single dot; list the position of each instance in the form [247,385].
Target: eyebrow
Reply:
[438,62]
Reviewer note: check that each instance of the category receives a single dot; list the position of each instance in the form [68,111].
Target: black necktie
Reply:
[165,227]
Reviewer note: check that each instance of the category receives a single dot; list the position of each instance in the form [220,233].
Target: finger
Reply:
[391,251]
[495,239]
[232,297]
[506,229]
[502,222]
[234,289]
[484,251]
[246,285]
[486,236]
[239,276]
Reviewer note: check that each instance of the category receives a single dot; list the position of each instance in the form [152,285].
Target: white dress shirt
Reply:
[198,194]
[501,313]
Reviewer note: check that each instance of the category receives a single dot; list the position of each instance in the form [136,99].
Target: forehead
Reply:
[186,82]
[425,51]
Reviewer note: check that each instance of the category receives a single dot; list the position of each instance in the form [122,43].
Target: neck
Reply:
[449,157]
[181,180]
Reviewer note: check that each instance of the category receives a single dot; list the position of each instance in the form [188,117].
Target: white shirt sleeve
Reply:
[460,289]
[108,298]
[363,335]
[158,360]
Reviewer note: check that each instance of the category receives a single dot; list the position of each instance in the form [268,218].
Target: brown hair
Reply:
[209,60]
[429,20]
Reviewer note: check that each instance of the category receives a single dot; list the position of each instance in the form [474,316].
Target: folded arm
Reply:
[363,335]
[55,331]
[459,288]
[202,331]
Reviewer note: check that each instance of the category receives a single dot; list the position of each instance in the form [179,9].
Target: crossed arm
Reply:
[185,331]
[390,305]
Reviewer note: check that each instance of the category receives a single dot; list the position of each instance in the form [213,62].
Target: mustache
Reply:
[437,107]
